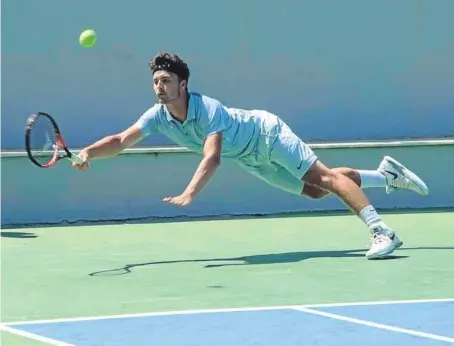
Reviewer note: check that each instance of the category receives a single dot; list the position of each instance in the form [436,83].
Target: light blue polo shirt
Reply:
[206,116]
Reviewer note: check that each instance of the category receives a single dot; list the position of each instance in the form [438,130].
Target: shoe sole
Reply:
[387,253]
[410,175]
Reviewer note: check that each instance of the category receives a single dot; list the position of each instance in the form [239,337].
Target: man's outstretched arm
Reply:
[206,169]
[110,146]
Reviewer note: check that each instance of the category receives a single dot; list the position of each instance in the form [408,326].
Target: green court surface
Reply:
[59,272]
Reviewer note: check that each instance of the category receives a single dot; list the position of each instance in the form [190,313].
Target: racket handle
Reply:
[76,159]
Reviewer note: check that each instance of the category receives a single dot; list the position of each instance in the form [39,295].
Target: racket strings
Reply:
[43,140]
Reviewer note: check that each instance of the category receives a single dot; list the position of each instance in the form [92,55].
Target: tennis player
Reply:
[261,143]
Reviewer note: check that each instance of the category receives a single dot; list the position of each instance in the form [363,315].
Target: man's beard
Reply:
[165,99]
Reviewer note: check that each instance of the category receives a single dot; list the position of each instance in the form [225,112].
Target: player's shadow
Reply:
[274,258]
[20,235]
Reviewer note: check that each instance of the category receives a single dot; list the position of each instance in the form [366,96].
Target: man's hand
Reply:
[83,155]
[181,200]
[205,170]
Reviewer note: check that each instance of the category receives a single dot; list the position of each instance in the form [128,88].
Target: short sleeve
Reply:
[148,122]
[217,119]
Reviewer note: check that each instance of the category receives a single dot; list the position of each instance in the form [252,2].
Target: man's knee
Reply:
[351,173]
[314,192]
[322,176]
[330,178]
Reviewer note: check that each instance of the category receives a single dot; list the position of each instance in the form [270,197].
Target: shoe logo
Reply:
[392,173]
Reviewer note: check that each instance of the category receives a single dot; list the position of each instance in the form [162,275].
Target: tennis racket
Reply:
[44,143]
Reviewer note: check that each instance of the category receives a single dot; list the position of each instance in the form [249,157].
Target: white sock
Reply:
[370,216]
[372,179]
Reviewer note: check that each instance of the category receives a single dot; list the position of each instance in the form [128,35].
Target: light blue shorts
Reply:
[281,158]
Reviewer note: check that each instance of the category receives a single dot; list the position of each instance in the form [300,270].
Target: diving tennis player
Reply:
[261,143]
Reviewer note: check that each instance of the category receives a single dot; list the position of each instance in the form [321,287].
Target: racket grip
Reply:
[76,159]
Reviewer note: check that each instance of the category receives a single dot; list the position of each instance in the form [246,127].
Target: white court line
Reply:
[188,312]
[385,302]
[34,336]
[377,325]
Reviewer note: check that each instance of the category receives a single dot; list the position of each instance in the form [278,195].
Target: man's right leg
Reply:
[384,241]
[321,179]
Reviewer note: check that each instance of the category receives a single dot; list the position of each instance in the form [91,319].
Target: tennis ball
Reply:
[87,38]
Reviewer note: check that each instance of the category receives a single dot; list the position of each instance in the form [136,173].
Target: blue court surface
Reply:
[412,323]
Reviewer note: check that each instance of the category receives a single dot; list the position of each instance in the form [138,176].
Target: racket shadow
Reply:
[261,259]
[18,235]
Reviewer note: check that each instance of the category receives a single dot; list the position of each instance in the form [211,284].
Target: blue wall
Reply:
[382,69]
[132,186]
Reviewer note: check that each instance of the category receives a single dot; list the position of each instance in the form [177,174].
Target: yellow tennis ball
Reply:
[87,38]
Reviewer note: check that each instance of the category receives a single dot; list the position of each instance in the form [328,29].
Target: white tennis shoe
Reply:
[400,177]
[383,242]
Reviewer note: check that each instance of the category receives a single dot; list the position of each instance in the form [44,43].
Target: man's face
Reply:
[167,86]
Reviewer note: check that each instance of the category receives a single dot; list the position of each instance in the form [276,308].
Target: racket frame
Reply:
[61,145]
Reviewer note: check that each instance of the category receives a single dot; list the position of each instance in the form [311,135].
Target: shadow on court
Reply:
[276,258]
[20,235]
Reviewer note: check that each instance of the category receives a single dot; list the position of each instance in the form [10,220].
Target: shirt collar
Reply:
[190,111]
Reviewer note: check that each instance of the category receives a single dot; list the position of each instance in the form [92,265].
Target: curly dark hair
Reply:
[171,63]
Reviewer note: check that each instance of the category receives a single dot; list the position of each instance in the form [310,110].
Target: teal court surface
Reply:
[290,280]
